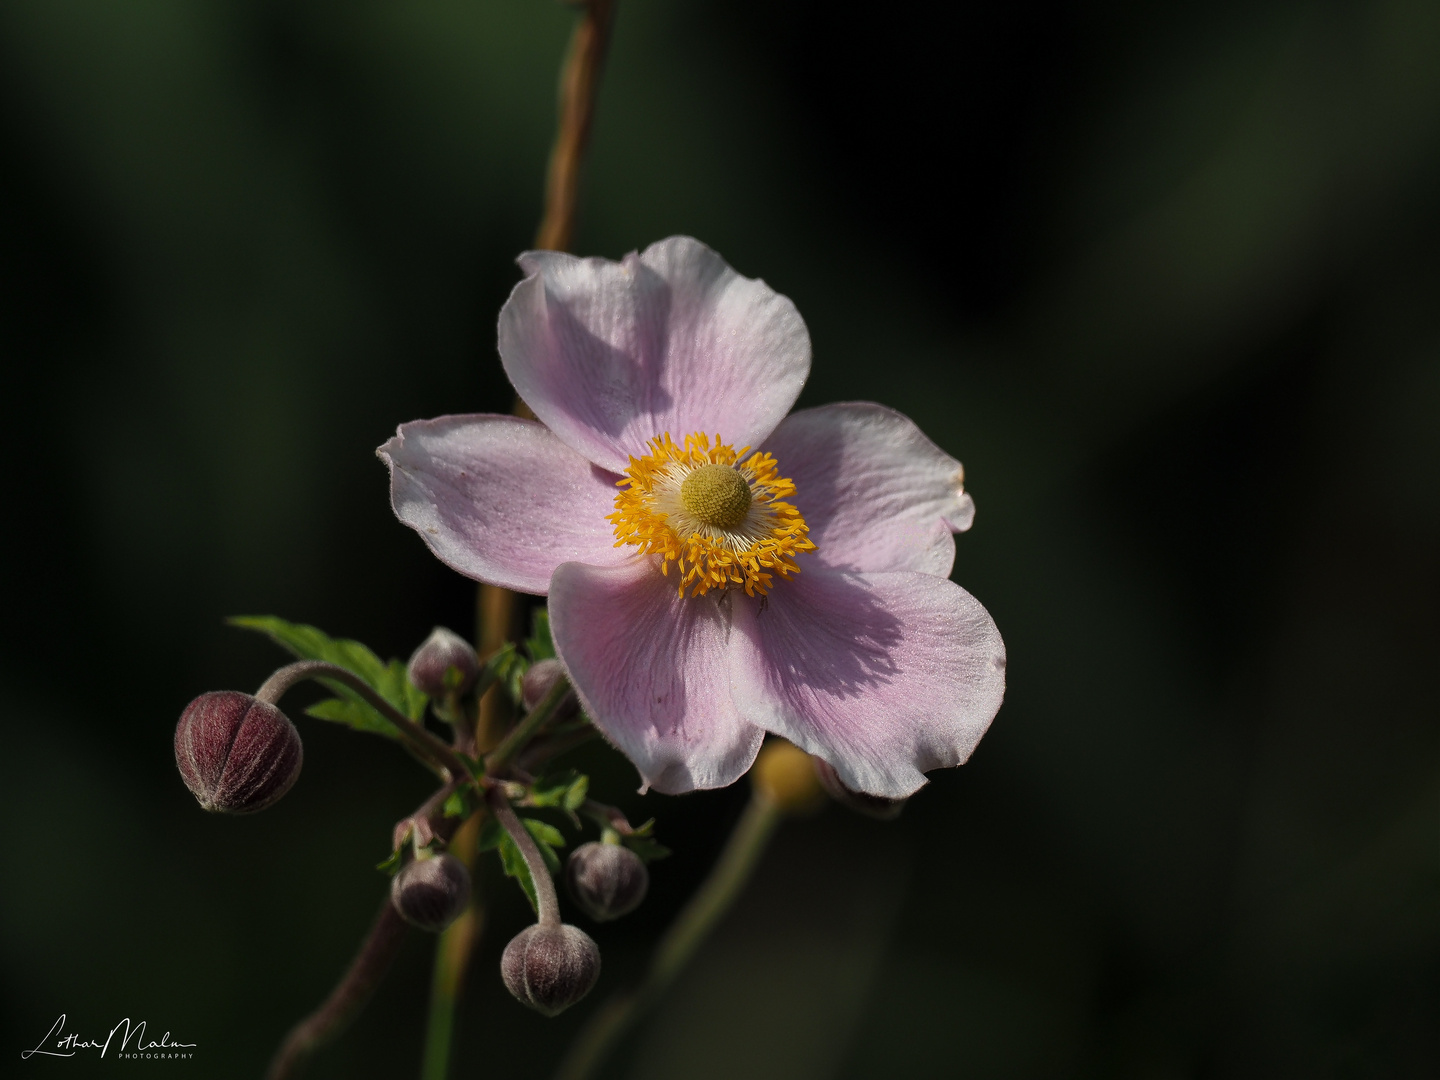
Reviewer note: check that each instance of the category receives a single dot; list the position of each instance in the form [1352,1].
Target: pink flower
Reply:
[791,578]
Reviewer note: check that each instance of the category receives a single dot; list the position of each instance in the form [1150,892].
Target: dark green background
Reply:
[1164,276]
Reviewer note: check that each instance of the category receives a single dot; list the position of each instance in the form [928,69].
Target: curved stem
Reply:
[431,747]
[371,963]
[742,851]
[547,903]
[524,731]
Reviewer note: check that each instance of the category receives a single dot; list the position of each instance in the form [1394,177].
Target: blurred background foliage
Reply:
[1164,276]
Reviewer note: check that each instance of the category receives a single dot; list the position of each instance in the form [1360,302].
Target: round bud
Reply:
[538,683]
[876,806]
[236,754]
[550,968]
[444,664]
[606,880]
[431,893]
[783,774]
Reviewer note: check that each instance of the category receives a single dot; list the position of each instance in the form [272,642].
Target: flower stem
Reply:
[371,963]
[579,88]
[547,904]
[453,950]
[609,1024]
[432,748]
[524,731]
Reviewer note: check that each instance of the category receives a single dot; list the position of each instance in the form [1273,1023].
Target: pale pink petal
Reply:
[611,354]
[653,671]
[876,493]
[885,676]
[501,499]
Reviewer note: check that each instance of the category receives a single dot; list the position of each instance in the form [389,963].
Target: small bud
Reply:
[431,893]
[236,754]
[538,683]
[606,880]
[783,774]
[876,806]
[444,664]
[550,968]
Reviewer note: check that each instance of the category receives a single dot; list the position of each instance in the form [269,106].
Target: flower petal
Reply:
[610,355]
[882,675]
[500,499]
[876,493]
[653,671]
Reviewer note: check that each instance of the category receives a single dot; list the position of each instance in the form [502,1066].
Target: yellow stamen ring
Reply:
[718,518]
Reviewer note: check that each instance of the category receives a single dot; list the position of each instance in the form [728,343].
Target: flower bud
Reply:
[236,754]
[550,968]
[538,683]
[876,806]
[431,893]
[606,880]
[782,774]
[445,664]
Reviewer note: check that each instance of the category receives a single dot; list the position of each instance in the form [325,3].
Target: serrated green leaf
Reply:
[576,793]
[354,714]
[515,866]
[539,644]
[389,680]
[545,834]
[391,865]
[648,850]
[457,804]
[551,789]
[490,834]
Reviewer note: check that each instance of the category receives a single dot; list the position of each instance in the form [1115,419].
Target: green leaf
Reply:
[539,644]
[516,867]
[490,835]
[648,850]
[389,680]
[354,714]
[457,805]
[576,793]
[552,789]
[391,865]
[544,833]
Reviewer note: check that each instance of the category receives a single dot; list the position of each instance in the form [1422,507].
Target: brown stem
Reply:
[369,967]
[579,87]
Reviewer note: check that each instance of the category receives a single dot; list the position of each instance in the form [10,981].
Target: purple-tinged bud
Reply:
[445,664]
[606,880]
[236,754]
[431,893]
[550,968]
[876,806]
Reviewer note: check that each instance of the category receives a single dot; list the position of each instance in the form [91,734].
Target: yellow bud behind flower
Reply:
[783,776]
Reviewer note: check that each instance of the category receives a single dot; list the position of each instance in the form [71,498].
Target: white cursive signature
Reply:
[69,1045]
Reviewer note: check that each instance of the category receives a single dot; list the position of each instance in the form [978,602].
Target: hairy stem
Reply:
[367,970]
[547,903]
[609,1024]
[432,748]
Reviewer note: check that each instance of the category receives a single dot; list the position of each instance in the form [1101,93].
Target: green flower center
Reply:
[716,494]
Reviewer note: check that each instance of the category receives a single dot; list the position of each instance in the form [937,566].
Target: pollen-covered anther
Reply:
[715,513]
